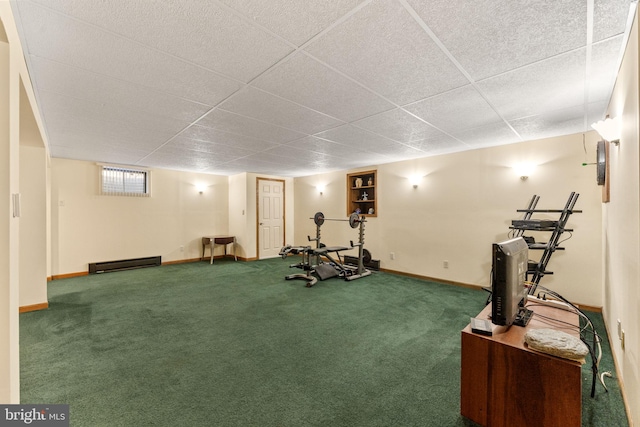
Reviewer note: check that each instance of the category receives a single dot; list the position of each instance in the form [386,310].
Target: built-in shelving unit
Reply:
[361,193]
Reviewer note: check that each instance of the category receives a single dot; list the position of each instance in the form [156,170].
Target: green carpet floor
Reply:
[234,344]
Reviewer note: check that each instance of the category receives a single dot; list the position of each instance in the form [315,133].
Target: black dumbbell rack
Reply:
[538,269]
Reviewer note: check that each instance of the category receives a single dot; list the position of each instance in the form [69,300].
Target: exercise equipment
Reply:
[312,258]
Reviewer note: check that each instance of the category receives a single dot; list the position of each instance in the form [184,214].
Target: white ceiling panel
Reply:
[344,152]
[602,76]
[609,18]
[208,134]
[107,154]
[540,87]
[489,37]
[307,82]
[59,105]
[113,93]
[185,29]
[297,87]
[386,49]
[241,125]
[78,44]
[294,20]
[399,125]
[228,152]
[439,145]
[488,136]
[269,108]
[551,123]
[459,109]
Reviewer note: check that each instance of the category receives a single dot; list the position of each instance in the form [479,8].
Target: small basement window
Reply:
[124,181]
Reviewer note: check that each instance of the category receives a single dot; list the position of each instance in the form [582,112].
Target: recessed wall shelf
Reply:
[361,193]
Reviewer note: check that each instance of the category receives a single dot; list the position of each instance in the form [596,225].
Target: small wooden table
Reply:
[504,383]
[220,240]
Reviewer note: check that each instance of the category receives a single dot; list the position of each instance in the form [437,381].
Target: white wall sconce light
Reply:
[609,129]
[414,180]
[200,188]
[524,170]
[320,189]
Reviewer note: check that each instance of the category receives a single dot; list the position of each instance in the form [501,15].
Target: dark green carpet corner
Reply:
[234,344]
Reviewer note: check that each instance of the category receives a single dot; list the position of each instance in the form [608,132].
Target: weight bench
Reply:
[305,264]
[322,270]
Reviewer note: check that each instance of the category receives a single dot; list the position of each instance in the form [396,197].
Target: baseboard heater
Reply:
[124,264]
[374,264]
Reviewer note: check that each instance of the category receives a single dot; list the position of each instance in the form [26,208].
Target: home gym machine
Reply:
[313,258]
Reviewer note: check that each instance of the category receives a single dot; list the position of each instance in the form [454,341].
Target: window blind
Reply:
[119,181]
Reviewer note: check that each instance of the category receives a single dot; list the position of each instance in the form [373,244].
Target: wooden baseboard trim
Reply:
[69,275]
[181,261]
[33,307]
[432,279]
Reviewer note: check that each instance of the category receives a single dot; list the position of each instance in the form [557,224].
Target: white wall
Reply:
[9,389]
[621,232]
[465,202]
[238,218]
[33,225]
[88,227]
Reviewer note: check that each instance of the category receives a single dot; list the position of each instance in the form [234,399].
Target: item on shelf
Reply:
[358,182]
[365,196]
[371,211]
[370,182]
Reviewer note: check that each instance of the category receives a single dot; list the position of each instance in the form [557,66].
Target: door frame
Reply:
[284,211]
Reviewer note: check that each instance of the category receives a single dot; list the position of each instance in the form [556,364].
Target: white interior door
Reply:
[270,217]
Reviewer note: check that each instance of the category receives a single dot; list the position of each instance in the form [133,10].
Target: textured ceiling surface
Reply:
[300,87]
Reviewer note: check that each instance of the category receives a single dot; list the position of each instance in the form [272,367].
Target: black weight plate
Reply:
[318,218]
[354,220]
[366,256]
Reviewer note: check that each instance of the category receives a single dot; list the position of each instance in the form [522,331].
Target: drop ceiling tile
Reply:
[398,125]
[296,153]
[61,107]
[603,68]
[323,146]
[229,151]
[307,82]
[596,111]
[609,18]
[488,136]
[552,123]
[547,85]
[207,134]
[112,93]
[459,109]
[294,20]
[384,48]
[186,29]
[263,106]
[92,154]
[354,137]
[489,37]
[77,44]
[439,145]
[241,125]
[173,158]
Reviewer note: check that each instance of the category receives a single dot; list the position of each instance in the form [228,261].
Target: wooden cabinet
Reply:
[361,193]
[505,383]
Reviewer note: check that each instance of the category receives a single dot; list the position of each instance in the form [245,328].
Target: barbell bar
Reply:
[354,219]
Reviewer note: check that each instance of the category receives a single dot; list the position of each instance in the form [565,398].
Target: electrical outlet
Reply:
[445,264]
[392,255]
[181,248]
